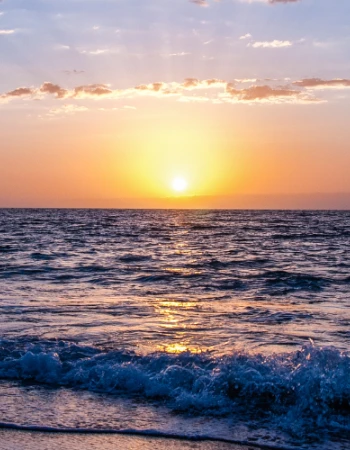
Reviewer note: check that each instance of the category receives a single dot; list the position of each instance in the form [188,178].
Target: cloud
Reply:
[79,92]
[6,32]
[202,3]
[271,2]
[99,51]
[180,54]
[91,90]
[74,72]
[271,44]
[318,83]
[194,83]
[246,80]
[20,92]
[258,93]
[62,47]
[221,91]
[49,88]
[155,87]
[205,4]
[190,83]
[168,55]
[211,90]
[66,110]
[282,1]
[245,36]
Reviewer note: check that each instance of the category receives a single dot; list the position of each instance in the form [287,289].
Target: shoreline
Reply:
[149,435]
[14,439]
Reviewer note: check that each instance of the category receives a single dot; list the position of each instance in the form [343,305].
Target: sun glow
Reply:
[162,171]
[179,184]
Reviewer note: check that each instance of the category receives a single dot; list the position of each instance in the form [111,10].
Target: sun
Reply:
[179,184]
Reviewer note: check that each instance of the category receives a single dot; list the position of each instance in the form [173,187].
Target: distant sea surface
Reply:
[230,324]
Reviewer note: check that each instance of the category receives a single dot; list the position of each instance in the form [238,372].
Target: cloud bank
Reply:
[190,90]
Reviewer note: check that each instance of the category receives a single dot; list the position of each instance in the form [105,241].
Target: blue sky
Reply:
[126,42]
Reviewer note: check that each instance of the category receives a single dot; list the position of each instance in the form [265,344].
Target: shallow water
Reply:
[228,323]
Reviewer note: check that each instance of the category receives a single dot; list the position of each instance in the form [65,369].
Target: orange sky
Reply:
[114,114]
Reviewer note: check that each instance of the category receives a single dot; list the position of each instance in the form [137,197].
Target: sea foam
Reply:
[305,391]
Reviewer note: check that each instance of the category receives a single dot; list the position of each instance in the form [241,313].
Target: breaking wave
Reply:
[305,391]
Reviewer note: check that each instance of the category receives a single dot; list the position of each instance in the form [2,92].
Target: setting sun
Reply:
[179,184]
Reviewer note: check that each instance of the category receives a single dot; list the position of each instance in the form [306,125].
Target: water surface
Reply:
[229,323]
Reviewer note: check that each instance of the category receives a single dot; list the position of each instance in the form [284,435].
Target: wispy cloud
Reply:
[74,72]
[246,80]
[62,47]
[65,110]
[168,55]
[271,2]
[6,32]
[271,44]
[202,3]
[245,36]
[283,1]
[98,51]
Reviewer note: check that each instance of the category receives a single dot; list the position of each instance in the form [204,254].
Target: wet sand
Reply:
[18,440]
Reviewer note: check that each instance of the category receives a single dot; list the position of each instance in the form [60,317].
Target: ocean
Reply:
[232,325]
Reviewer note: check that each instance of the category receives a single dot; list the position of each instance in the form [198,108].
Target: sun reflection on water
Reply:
[173,316]
[179,347]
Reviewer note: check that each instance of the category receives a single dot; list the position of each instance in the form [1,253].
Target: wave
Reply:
[216,274]
[8,249]
[307,389]
[293,281]
[131,258]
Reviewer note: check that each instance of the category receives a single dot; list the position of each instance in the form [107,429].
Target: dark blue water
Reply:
[228,323]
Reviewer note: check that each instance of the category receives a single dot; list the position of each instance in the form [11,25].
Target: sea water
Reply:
[224,324]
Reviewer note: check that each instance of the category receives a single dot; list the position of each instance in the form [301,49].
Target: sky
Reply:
[104,103]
